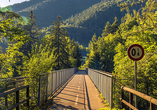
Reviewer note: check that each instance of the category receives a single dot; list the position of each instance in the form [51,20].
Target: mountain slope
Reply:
[93,20]
[82,18]
[46,11]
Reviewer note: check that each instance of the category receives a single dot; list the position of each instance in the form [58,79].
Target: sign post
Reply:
[135,82]
[135,52]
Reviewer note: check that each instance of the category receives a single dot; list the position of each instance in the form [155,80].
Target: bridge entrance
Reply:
[78,93]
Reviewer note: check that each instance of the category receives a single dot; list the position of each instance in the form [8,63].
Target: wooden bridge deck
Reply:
[78,93]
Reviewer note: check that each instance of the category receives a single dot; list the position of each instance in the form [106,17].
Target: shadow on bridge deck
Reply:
[78,93]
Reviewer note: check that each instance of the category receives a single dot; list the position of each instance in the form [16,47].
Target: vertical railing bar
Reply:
[122,97]
[130,99]
[152,106]
[56,80]
[6,104]
[17,99]
[47,87]
[27,92]
[39,91]
[111,104]
[52,83]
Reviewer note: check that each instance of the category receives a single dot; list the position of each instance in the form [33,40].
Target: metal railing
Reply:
[49,83]
[6,84]
[103,82]
[9,83]
[18,102]
[152,101]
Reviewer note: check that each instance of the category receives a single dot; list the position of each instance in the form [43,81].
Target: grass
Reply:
[106,105]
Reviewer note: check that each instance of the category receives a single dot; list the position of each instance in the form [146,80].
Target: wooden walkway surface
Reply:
[78,94]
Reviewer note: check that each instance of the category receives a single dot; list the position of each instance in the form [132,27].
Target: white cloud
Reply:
[4,3]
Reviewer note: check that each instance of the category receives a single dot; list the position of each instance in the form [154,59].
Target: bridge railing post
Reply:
[122,97]
[39,91]
[27,95]
[17,99]
[152,106]
[130,99]
[6,102]
[111,87]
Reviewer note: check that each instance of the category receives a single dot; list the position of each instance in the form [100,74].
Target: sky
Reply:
[4,3]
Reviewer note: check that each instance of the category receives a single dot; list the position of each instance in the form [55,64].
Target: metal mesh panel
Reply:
[49,83]
[54,80]
[43,88]
[103,82]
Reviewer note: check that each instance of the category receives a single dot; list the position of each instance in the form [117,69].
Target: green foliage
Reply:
[59,43]
[41,57]
[74,52]
[115,25]
[16,37]
[32,31]
[40,60]
[110,28]
[107,30]
[93,57]
[142,34]
[102,50]
[135,28]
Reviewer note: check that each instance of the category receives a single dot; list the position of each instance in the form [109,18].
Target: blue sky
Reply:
[4,3]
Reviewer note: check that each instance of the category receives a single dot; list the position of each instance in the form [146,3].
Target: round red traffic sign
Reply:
[135,52]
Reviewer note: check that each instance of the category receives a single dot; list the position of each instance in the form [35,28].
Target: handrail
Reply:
[126,103]
[49,83]
[5,93]
[102,73]
[132,91]
[12,90]
[41,74]
[104,83]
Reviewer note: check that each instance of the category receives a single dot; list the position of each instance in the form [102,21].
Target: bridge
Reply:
[67,89]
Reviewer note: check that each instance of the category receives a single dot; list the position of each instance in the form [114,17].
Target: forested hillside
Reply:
[47,10]
[82,18]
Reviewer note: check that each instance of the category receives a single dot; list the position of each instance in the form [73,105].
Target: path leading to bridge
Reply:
[78,93]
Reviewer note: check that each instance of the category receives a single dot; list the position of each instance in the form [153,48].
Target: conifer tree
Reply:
[93,57]
[60,45]
[32,28]
[75,55]
[115,25]
[107,30]
[33,32]
[16,38]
